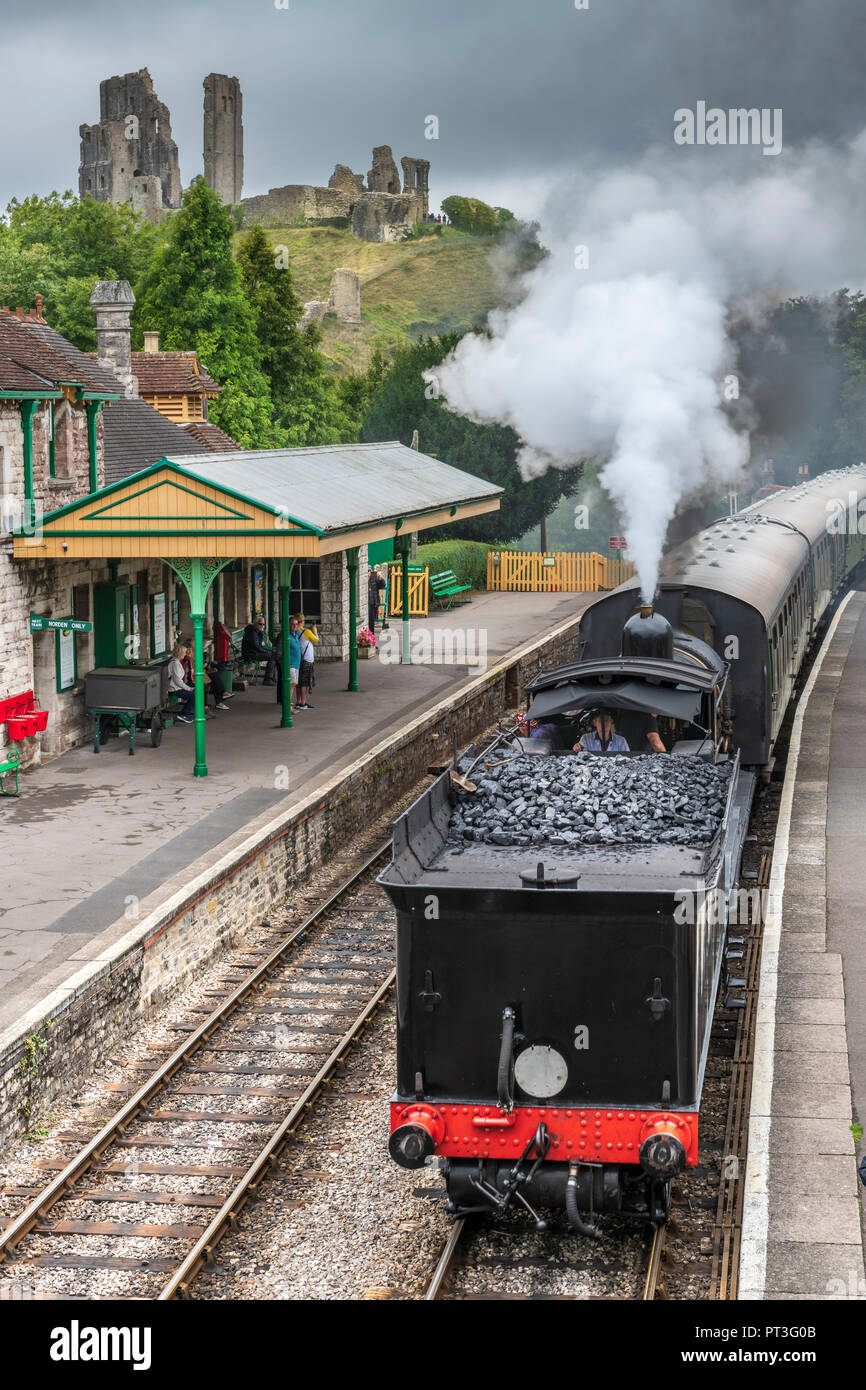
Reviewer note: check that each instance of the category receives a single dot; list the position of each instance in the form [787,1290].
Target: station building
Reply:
[134,528]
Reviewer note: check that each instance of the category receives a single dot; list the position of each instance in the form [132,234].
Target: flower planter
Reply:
[367,653]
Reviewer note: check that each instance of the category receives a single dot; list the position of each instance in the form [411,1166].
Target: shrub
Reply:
[468,560]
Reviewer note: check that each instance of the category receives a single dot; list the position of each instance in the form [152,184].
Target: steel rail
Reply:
[445,1260]
[59,1186]
[203,1249]
[654,1265]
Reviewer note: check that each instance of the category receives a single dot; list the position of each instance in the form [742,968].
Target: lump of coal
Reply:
[579,799]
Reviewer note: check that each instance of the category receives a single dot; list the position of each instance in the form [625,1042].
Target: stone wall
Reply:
[384,216]
[295,202]
[221,899]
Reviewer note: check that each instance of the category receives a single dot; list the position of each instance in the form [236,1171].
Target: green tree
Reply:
[192,296]
[405,402]
[307,405]
[58,246]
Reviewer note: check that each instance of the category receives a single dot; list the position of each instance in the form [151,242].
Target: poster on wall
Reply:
[257,575]
[66,664]
[158,624]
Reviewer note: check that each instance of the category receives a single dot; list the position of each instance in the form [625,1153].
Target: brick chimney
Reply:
[112,302]
[151,342]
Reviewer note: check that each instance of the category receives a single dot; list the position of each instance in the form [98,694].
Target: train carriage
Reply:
[754,587]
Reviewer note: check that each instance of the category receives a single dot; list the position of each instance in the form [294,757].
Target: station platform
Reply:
[93,836]
[802,1234]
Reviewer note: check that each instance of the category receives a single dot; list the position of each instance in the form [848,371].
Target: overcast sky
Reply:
[524,90]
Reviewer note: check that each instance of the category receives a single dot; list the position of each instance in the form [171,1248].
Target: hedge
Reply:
[468,560]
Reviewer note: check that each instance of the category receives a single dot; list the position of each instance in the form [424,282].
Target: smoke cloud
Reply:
[620,347]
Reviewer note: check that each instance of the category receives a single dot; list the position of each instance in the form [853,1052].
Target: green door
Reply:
[111,627]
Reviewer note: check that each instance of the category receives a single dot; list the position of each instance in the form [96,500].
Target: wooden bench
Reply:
[446,586]
[10,760]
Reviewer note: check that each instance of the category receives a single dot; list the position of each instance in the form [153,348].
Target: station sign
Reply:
[40,624]
[617,543]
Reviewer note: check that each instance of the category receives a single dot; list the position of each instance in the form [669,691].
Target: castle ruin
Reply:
[224,136]
[378,210]
[129,156]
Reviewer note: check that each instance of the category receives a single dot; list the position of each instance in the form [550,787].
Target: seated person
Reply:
[641,731]
[602,737]
[177,681]
[252,646]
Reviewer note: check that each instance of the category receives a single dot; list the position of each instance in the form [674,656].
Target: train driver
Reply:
[602,737]
[641,731]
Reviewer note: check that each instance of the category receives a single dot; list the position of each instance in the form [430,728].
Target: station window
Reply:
[306,595]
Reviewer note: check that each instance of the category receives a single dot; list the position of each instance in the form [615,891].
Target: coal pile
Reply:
[580,799]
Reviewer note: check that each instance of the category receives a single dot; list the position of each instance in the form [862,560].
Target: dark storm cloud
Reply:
[520,87]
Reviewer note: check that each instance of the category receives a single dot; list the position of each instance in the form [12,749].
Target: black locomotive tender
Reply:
[555,1000]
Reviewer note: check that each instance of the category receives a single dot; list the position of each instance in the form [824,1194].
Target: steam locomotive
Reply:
[554,1003]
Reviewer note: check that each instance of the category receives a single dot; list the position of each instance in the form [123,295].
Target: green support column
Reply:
[403,544]
[27,411]
[200,768]
[270,598]
[352,567]
[196,575]
[286,567]
[217,598]
[93,409]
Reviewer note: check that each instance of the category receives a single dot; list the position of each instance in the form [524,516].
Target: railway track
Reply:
[289,1020]
[568,1253]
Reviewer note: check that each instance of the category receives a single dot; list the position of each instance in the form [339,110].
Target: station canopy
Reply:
[275,503]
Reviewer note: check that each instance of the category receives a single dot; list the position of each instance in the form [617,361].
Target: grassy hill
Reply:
[408,289]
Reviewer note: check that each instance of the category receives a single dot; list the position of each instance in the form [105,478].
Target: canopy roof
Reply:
[265,504]
[342,485]
[647,684]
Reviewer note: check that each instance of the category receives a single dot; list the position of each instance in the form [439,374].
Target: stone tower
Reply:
[416,180]
[129,156]
[224,136]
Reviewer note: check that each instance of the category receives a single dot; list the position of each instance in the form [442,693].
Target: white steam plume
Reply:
[626,359]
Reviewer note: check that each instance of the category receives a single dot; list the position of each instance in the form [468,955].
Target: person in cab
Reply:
[602,737]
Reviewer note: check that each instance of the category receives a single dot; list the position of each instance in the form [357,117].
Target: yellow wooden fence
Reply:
[419,592]
[532,572]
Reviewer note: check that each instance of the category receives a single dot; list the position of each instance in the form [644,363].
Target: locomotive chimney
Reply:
[648,634]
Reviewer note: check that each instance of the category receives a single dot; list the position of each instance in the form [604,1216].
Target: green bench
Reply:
[10,760]
[446,586]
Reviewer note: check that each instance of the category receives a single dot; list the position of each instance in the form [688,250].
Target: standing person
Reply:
[177,681]
[294,657]
[375,586]
[306,672]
